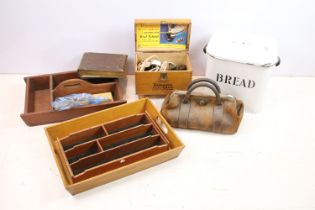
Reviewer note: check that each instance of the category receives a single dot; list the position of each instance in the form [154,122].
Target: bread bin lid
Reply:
[243,48]
[162,35]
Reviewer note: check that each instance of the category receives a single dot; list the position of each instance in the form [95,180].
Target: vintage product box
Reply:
[167,41]
[241,63]
[41,91]
[107,145]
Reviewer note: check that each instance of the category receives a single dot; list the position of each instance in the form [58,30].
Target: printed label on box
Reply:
[161,36]
[162,86]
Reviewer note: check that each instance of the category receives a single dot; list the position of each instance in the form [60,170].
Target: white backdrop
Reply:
[43,36]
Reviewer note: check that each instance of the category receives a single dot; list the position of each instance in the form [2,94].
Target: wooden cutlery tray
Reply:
[43,89]
[109,144]
[99,149]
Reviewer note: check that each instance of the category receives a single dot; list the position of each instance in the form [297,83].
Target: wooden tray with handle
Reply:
[43,89]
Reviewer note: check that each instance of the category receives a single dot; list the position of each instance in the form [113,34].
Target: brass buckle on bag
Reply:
[202,102]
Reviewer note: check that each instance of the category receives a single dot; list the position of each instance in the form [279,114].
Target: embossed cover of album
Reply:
[103,65]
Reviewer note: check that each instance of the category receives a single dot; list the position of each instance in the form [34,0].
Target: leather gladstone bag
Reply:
[189,109]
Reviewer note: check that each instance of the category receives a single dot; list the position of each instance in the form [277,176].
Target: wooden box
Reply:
[150,40]
[107,145]
[41,91]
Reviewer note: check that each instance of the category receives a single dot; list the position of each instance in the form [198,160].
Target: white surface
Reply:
[243,48]
[268,164]
[47,36]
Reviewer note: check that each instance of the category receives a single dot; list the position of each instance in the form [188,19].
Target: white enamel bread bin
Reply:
[241,64]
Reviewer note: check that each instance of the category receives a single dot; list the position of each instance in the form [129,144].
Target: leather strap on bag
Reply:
[184,115]
[218,115]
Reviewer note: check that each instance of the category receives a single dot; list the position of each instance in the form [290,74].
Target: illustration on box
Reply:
[173,33]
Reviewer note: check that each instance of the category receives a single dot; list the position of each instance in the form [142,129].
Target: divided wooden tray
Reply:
[110,144]
[41,91]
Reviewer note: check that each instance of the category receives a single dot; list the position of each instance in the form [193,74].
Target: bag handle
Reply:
[210,81]
[202,84]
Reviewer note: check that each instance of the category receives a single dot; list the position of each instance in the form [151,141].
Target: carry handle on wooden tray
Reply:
[72,86]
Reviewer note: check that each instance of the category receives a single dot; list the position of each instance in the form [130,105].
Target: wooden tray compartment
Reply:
[43,89]
[82,137]
[129,135]
[116,157]
[91,149]
[126,122]
[132,139]
[83,150]
[38,93]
